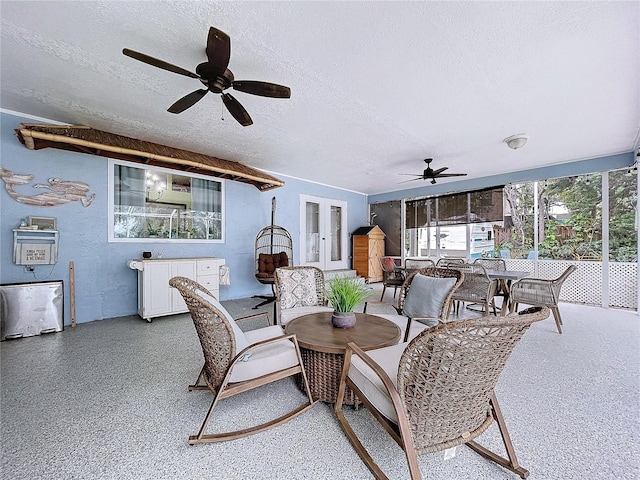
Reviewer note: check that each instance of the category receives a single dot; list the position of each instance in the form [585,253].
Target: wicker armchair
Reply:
[477,287]
[536,291]
[437,391]
[299,291]
[429,301]
[235,361]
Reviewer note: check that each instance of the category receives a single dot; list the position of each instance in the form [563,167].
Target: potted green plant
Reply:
[344,294]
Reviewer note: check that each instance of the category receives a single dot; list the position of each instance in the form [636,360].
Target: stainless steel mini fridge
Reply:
[28,309]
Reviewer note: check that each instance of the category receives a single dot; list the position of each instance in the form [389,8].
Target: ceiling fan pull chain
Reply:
[222,112]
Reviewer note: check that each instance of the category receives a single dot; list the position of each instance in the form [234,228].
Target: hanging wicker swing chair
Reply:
[274,248]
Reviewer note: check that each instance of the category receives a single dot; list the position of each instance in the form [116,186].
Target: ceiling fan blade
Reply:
[237,110]
[263,89]
[452,175]
[187,101]
[411,180]
[437,172]
[218,50]
[158,63]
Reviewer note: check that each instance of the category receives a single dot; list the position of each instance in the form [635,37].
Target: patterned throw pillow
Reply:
[298,288]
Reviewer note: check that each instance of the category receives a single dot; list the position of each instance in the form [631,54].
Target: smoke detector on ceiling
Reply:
[515,142]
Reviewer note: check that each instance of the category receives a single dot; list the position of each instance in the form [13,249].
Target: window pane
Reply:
[571,208]
[336,233]
[312,232]
[453,209]
[486,205]
[515,238]
[623,216]
[161,204]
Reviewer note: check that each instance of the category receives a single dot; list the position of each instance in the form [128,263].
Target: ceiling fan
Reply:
[431,174]
[216,78]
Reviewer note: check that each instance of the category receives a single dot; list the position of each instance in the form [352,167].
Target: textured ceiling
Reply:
[376,86]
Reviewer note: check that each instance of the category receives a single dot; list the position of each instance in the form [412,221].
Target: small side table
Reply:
[322,347]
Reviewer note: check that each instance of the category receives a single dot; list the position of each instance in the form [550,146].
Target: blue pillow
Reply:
[426,296]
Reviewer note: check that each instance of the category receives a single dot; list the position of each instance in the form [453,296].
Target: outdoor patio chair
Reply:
[425,296]
[391,275]
[237,361]
[299,291]
[437,391]
[536,291]
[477,287]
[495,264]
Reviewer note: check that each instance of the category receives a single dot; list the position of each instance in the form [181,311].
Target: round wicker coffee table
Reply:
[322,347]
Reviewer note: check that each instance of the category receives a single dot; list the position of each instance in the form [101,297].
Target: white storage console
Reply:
[156,298]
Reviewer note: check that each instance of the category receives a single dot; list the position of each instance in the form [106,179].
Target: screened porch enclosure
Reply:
[541,227]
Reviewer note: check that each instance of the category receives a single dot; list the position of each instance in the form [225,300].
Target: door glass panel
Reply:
[336,233]
[312,232]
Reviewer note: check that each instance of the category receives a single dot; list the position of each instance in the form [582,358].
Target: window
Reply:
[157,204]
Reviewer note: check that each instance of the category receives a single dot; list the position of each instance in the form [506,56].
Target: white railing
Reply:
[585,285]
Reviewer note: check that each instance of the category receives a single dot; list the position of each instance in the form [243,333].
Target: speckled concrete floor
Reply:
[108,400]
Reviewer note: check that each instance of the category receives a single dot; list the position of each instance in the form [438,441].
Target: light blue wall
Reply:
[105,286]
[581,167]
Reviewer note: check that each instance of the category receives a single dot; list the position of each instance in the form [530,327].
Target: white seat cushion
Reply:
[401,322]
[288,314]
[240,337]
[266,359]
[370,384]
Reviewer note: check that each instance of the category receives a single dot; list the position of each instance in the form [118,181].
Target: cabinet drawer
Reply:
[210,282]
[208,267]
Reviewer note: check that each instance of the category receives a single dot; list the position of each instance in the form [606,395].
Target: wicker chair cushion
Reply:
[288,314]
[370,384]
[426,296]
[266,359]
[267,263]
[240,337]
[298,288]
[388,264]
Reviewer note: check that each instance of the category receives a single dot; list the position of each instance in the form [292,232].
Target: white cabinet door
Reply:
[156,298]
[186,268]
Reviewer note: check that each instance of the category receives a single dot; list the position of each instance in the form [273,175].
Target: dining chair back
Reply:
[411,264]
[477,287]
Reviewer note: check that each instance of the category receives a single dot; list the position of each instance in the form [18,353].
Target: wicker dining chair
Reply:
[477,287]
[237,361]
[437,391]
[299,291]
[536,291]
[391,275]
[500,265]
[425,296]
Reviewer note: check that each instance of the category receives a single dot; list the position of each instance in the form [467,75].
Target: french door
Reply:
[323,232]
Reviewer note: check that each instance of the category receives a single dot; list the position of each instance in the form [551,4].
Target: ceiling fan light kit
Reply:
[515,142]
[216,77]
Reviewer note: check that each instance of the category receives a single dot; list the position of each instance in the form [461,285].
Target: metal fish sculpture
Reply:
[59,191]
